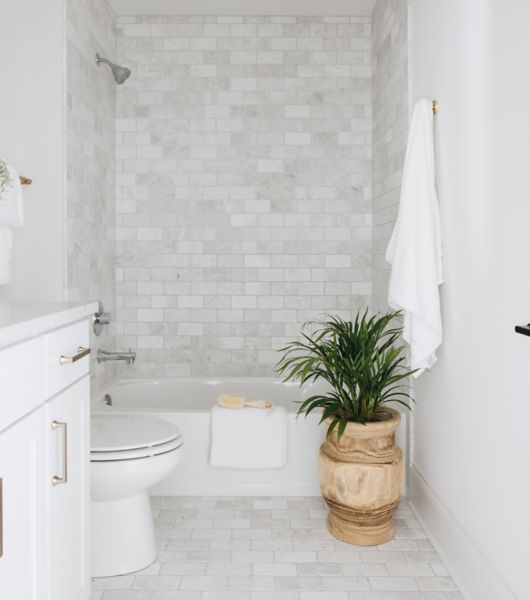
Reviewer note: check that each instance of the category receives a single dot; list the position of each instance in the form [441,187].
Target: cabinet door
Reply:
[23,509]
[68,435]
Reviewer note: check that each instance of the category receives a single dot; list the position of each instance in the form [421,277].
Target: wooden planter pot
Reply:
[361,480]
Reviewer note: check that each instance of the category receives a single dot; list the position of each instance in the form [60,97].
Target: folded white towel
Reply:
[248,438]
[6,242]
[11,208]
[415,249]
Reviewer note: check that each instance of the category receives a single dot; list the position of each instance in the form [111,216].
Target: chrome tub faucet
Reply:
[127,356]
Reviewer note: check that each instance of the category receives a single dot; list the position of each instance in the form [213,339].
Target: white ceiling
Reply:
[243,7]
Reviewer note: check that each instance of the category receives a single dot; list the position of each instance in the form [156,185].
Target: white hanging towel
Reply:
[11,207]
[415,248]
[248,438]
[11,215]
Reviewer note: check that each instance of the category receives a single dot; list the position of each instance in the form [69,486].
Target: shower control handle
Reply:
[100,319]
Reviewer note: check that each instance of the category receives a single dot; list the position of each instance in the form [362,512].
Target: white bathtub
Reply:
[187,402]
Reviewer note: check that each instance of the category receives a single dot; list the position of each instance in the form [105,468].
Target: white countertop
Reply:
[23,320]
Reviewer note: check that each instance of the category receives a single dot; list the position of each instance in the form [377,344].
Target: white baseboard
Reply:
[472,571]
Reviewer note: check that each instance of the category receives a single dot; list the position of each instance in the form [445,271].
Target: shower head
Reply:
[120,73]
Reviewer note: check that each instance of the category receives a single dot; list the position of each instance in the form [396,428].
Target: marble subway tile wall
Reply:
[90,112]
[243,159]
[390,121]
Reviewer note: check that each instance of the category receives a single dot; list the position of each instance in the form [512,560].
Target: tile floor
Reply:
[276,549]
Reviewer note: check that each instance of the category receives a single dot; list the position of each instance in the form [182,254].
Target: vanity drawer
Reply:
[21,380]
[67,358]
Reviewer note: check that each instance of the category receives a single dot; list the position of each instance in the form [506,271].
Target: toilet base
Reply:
[123,536]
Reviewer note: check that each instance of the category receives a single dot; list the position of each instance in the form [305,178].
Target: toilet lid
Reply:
[117,433]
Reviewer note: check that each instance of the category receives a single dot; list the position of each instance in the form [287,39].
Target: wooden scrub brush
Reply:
[229,401]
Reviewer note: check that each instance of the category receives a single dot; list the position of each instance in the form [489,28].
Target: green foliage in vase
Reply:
[6,181]
[362,361]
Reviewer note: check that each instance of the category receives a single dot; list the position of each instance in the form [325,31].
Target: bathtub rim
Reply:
[97,397]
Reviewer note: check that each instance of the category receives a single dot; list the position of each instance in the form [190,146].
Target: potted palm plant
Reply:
[361,467]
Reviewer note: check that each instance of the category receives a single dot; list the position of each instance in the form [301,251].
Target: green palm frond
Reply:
[362,361]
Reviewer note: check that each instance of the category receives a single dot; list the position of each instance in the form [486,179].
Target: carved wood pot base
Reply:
[361,479]
[359,533]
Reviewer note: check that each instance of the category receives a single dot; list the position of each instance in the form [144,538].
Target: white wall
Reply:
[31,138]
[472,449]
[50,109]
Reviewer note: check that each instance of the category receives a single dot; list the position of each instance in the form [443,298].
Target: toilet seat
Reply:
[146,452]
[126,437]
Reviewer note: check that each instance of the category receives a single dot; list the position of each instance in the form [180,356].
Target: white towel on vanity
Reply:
[11,207]
[415,249]
[248,438]
[11,215]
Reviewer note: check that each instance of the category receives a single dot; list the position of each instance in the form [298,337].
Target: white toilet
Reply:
[128,455]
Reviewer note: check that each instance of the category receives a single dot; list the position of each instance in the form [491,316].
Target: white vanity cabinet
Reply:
[23,507]
[45,460]
[68,417]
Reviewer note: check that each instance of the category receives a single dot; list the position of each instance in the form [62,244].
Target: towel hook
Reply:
[435,107]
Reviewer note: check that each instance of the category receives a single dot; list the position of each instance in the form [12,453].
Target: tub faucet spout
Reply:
[105,355]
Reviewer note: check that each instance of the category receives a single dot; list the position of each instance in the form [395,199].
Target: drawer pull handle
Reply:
[81,353]
[63,478]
